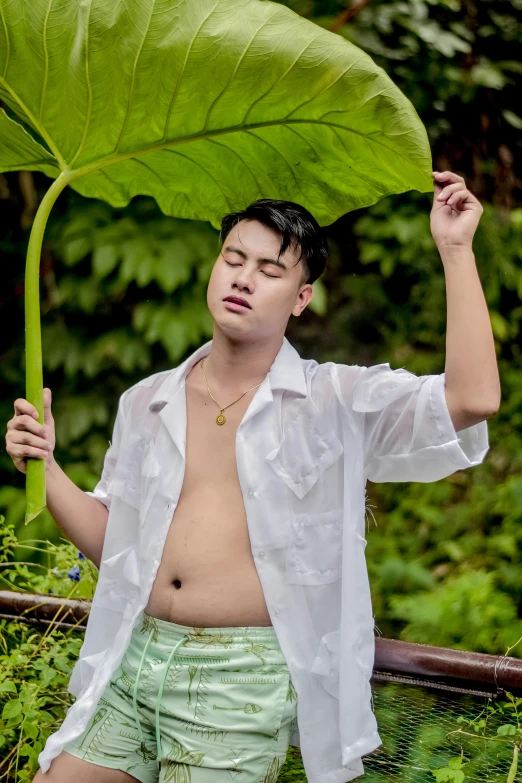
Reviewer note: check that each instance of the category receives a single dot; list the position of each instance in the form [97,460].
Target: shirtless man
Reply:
[205,615]
[207,576]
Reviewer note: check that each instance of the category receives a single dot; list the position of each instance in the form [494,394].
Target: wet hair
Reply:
[296,225]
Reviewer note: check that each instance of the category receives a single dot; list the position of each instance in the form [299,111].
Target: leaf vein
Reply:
[272,146]
[131,91]
[8,42]
[240,60]
[176,152]
[324,89]
[159,146]
[303,138]
[357,173]
[89,88]
[31,120]
[156,174]
[180,79]
[46,69]
[280,79]
[236,153]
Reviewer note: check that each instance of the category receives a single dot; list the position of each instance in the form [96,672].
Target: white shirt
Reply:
[310,438]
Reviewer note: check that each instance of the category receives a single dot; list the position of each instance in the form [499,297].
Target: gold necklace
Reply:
[220,419]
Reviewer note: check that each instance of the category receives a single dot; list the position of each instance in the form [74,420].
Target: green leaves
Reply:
[20,151]
[204,106]
[452,773]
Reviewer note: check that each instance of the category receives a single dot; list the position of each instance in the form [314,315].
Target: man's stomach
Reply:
[207,576]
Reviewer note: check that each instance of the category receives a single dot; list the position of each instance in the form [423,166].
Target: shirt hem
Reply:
[353,767]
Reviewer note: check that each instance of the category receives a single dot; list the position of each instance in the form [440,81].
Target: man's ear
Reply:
[304,295]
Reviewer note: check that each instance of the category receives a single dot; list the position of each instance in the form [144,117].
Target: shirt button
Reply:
[277,612]
[261,554]
[251,493]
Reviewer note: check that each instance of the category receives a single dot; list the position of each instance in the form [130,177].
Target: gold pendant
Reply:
[220,419]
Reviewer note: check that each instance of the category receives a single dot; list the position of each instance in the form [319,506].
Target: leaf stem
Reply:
[35,473]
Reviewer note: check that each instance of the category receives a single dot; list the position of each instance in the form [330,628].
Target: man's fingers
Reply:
[23,406]
[48,416]
[448,176]
[459,195]
[22,451]
[448,190]
[26,423]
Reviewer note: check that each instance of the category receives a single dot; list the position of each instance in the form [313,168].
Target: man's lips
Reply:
[237,300]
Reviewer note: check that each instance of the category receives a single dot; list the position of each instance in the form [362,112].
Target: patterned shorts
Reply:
[200,705]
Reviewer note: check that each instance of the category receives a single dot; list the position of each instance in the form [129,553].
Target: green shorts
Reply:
[186,701]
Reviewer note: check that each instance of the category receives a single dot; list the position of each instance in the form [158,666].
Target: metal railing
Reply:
[405,662]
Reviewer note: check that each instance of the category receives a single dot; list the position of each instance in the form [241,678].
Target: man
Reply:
[232,615]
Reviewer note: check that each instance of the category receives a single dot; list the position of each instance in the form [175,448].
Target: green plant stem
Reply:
[50,627]
[482,736]
[514,766]
[22,726]
[35,474]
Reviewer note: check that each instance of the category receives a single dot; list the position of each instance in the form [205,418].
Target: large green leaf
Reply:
[203,105]
[19,151]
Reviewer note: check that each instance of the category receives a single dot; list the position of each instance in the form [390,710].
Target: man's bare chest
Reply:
[210,450]
[207,555]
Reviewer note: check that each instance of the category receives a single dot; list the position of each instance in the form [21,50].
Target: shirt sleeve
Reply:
[408,434]
[100,491]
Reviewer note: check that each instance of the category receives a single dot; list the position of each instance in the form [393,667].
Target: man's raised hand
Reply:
[455,213]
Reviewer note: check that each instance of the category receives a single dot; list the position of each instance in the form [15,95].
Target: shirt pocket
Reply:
[314,554]
[304,453]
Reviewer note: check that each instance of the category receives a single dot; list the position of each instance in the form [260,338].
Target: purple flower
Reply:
[81,555]
[74,573]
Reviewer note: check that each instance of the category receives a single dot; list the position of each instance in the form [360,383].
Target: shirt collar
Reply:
[286,372]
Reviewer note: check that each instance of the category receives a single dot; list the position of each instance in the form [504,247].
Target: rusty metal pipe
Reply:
[457,667]
[424,660]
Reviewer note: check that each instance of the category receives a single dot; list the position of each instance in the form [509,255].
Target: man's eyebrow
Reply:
[260,260]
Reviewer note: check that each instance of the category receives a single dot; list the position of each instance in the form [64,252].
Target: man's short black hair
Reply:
[297,226]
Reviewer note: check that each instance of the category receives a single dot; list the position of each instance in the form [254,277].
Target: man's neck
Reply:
[237,365]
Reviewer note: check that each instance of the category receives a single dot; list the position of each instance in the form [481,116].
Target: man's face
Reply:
[243,269]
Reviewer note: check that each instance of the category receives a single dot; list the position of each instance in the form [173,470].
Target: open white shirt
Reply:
[310,438]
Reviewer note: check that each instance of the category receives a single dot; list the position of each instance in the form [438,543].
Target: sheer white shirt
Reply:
[311,437]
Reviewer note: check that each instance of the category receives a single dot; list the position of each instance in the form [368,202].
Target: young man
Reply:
[232,615]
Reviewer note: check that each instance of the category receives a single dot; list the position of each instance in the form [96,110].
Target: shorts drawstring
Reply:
[135,695]
[158,703]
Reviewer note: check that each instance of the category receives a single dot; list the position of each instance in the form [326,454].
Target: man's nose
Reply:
[244,280]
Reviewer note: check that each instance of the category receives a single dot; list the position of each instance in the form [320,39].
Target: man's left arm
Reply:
[472,383]
[423,428]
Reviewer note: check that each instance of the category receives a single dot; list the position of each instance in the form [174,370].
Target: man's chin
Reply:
[233,326]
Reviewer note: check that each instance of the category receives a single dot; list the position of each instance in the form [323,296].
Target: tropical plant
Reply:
[202,106]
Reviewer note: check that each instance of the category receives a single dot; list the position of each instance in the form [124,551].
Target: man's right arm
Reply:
[82,518]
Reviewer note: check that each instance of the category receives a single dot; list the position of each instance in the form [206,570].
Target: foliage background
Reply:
[123,296]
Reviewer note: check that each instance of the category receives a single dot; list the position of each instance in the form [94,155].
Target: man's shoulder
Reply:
[142,392]
[152,381]
[317,372]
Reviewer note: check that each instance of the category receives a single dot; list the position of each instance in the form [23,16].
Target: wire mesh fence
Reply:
[443,715]
[424,728]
